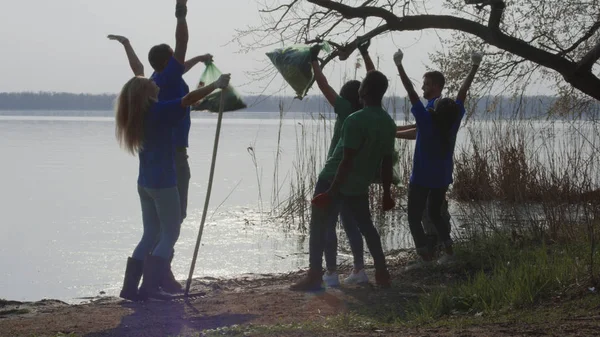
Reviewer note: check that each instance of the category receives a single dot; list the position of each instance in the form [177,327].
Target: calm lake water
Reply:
[71,214]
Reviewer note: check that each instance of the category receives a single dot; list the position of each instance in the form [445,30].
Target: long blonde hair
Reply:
[133,104]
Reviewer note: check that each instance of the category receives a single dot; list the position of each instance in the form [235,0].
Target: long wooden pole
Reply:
[208,190]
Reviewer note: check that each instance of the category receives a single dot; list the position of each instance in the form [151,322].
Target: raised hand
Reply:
[119,38]
[363,46]
[207,58]
[398,57]
[181,9]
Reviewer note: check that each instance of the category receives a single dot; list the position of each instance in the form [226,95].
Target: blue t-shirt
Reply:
[172,86]
[431,168]
[157,156]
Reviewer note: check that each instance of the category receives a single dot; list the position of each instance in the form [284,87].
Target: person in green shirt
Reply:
[365,147]
[344,104]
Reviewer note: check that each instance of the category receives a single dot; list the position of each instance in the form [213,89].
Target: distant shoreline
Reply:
[70,104]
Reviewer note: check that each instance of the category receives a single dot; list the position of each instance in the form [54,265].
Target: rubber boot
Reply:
[311,282]
[169,283]
[133,274]
[155,269]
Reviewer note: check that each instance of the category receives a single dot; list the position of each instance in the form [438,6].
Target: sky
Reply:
[61,45]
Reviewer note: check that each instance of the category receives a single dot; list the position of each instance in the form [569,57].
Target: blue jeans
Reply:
[161,216]
[354,238]
[323,221]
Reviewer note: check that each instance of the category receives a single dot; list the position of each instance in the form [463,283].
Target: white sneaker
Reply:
[446,260]
[418,264]
[357,278]
[331,279]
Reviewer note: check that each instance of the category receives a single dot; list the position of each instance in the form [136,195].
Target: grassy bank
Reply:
[495,282]
[503,277]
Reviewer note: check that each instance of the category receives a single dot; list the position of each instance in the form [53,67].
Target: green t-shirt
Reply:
[342,109]
[372,132]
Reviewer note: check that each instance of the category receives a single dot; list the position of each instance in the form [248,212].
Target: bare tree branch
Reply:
[587,61]
[496,15]
[578,75]
[581,40]
[347,49]
[289,7]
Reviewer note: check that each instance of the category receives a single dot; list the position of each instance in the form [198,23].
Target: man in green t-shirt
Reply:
[366,146]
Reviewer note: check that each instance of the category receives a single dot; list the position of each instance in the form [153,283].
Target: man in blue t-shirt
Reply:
[437,125]
[167,75]
[433,85]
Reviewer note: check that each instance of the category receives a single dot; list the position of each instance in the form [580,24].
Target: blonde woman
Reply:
[144,126]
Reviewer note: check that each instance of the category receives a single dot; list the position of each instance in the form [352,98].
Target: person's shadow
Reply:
[169,318]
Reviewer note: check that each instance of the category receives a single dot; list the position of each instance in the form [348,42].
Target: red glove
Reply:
[388,203]
[322,200]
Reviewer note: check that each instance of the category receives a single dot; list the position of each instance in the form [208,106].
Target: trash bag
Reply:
[293,63]
[232,100]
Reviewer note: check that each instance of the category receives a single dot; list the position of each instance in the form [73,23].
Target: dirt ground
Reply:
[258,300]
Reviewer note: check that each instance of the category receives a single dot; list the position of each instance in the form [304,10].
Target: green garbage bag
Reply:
[293,63]
[232,100]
